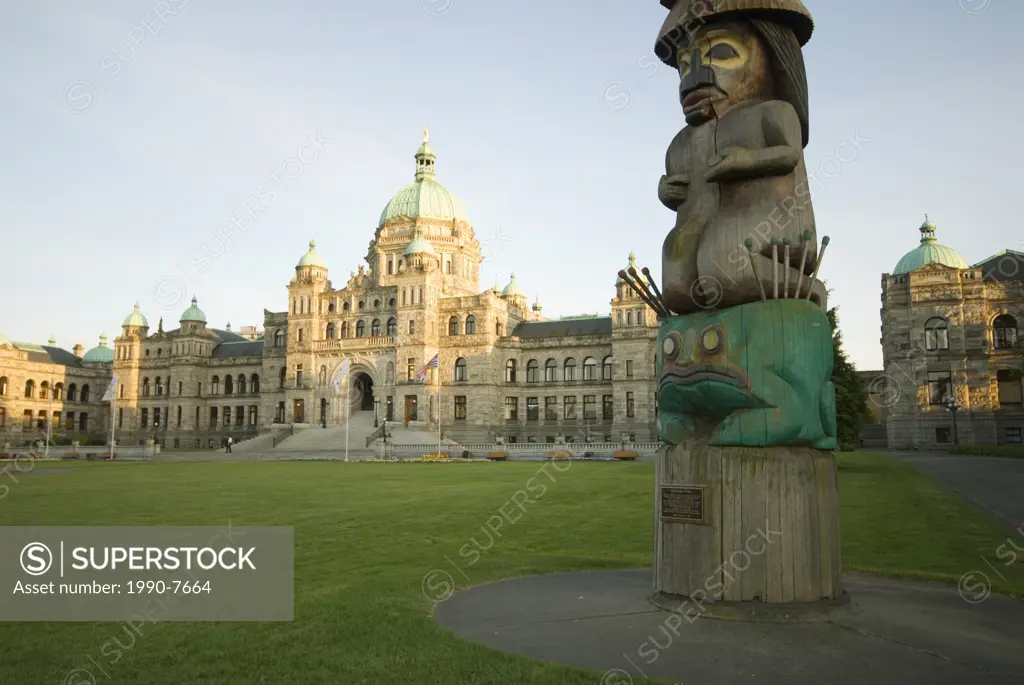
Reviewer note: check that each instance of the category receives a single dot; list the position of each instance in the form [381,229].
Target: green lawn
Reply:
[366,534]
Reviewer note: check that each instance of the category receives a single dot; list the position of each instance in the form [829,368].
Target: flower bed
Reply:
[559,454]
[497,456]
[437,456]
[624,454]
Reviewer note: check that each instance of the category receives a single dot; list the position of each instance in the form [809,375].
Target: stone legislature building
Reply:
[949,349]
[505,371]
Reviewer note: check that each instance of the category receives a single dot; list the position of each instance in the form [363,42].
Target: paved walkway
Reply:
[903,633]
[995,485]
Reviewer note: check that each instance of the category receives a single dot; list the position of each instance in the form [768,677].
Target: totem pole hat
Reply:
[685,16]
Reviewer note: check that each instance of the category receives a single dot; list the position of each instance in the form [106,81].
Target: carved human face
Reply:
[725,65]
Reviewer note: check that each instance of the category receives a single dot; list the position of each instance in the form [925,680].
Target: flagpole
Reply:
[49,418]
[345,409]
[113,401]
[437,370]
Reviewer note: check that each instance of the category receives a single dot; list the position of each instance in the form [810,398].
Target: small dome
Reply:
[419,245]
[193,313]
[537,305]
[135,318]
[929,252]
[101,354]
[311,258]
[512,288]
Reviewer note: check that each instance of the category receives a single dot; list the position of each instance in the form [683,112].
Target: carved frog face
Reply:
[726,64]
[701,365]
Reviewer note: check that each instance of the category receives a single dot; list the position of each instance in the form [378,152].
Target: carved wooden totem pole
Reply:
[746,501]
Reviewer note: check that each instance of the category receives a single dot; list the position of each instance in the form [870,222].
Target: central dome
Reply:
[930,252]
[424,198]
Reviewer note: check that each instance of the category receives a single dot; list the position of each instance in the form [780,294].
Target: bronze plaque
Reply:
[682,503]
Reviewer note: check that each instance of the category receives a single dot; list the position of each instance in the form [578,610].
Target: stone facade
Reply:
[503,369]
[951,332]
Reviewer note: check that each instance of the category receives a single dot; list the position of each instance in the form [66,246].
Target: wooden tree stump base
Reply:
[747,526]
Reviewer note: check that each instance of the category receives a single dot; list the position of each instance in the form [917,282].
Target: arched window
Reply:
[254,383]
[330,331]
[278,338]
[499,330]
[606,369]
[569,369]
[330,308]
[362,304]
[160,386]
[85,393]
[510,371]
[322,378]
[282,377]
[241,384]
[344,329]
[461,370]
[3,386]
[590,369]
[470,325]
[453,326]
[44,390]
[229,385]
[145,386]
[73,393]
[392,326]
[936,334]
[532,371]
[550,371]
[619,318]
[254,414]
[375,328]
[412,326]
[1004,332]
[298,335]
[391,302]
[215,385]
[376,304]
[346,307]
[360,329]
[629,318]
[640,317]
[58,390]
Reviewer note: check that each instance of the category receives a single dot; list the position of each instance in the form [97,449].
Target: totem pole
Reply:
[745,398]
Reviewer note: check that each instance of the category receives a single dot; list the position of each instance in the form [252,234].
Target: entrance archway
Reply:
[362,386]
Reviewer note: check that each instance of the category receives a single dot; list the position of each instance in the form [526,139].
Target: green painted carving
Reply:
[752,375]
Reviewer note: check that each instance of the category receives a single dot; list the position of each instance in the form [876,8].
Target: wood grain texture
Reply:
[772,531]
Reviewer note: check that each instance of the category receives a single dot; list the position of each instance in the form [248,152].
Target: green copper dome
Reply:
[193,313]
[135,318]
[311,258]
[101,354]
[419,245]
[512,288]
[424,198]
[929,252]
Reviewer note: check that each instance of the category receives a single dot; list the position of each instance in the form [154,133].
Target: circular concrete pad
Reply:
[901,632]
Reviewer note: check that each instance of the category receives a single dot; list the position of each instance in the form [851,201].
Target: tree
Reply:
[851,395]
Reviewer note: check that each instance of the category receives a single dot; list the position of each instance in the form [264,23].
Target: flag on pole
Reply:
[421,376]
[340,374]
[108,396]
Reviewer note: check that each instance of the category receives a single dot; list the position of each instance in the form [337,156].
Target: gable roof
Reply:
[239,348]
[1007,265]
[564,328]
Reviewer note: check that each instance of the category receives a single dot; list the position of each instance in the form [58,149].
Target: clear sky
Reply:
[134,130]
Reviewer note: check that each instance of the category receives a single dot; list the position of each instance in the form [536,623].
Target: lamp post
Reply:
[953,406]
[376,403]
